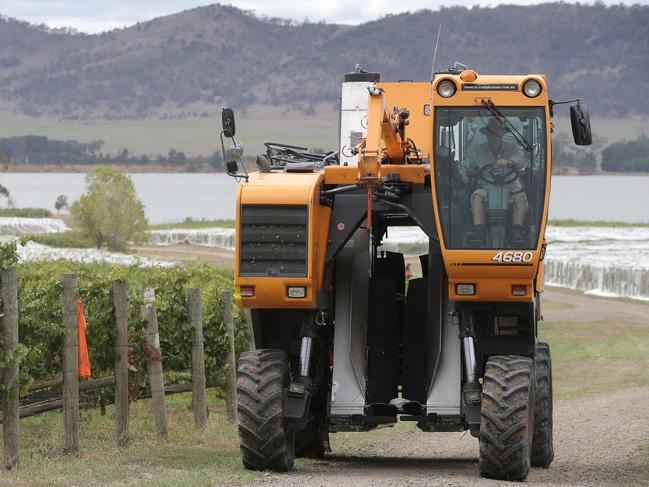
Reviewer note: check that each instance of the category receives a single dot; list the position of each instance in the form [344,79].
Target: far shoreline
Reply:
[202,169]
[125,168]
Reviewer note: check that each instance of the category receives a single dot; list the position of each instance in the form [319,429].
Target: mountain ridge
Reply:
[200,59]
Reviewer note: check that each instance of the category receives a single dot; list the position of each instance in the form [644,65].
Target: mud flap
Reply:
[382,341]
[415,342]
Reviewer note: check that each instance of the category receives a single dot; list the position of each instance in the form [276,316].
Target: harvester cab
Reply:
[344,341]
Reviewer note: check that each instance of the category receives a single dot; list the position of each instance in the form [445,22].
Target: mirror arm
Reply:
[236,176]
[552,103]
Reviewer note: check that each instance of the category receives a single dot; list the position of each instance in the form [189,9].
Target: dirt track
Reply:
[588,452]
[188,253]
[599,439]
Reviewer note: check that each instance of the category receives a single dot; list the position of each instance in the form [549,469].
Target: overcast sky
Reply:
[100,15]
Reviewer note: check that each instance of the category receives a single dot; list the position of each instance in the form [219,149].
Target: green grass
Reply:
[599,223]
[597,357]
[69,239]
[555,305]
[191,457]
[199,136]
[588,358]
[193,136]
[26,212]
[194,224]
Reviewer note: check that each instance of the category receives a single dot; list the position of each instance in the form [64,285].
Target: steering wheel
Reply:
[497,175]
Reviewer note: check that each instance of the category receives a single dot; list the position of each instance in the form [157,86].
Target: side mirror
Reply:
[232,167]
[580,124]
[227,120]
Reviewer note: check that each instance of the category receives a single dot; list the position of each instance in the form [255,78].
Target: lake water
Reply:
[174,197]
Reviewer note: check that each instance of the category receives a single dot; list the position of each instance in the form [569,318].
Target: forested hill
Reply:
[200,59]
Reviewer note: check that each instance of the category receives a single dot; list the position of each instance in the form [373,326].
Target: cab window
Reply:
[490,176]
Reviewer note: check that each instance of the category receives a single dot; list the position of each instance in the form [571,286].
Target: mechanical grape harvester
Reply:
[343,341]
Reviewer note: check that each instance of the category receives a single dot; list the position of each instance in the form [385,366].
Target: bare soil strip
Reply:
[598,442]
[600,439]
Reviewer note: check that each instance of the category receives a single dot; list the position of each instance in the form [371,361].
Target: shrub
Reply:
[110,213]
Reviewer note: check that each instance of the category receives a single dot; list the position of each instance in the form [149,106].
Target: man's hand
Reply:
[504,162]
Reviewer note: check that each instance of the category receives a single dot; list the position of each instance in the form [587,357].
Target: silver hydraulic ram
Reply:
[471,389]
[469,359]
[305,355]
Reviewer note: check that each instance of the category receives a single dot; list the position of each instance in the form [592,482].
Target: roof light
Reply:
[468,76]
[532,88]
[465,289]
[446,88]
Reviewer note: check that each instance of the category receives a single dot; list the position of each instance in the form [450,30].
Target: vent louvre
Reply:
[273,240]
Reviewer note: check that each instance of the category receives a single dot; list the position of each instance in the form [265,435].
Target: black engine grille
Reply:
[273,240]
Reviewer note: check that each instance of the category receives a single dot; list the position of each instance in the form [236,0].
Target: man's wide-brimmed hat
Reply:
[494,127]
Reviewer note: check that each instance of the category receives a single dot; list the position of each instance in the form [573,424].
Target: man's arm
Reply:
[469,165]
[512,156]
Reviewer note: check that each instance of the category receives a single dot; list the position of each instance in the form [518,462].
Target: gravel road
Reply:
[600,440]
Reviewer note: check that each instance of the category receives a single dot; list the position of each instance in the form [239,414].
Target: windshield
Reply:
[490,176]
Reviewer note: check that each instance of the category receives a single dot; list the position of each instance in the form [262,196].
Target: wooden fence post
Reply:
[231,378]
[120,305]
[198,357]
[154,362]
[70,364]
[10,396]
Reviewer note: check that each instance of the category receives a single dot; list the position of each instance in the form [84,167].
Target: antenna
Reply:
[432,69]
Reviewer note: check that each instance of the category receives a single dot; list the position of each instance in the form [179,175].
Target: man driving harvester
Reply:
[494,164]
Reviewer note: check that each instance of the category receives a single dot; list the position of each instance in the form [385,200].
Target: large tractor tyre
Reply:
[310,442]
[264,440]
[507,422]
[542,448]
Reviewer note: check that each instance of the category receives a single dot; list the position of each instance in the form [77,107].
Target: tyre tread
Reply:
[265,444]
[542,444]
[505,429]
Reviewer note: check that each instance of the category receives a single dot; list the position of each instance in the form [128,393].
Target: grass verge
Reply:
[191,457]
[599,223]
[190,224]
[588,358]
[598,357]
[26,212]
[70,239]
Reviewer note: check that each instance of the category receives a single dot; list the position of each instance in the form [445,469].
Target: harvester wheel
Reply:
[265,443]
[507,417]
[542,448]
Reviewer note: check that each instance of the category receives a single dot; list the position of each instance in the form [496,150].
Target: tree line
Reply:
[41,150]
[629,156]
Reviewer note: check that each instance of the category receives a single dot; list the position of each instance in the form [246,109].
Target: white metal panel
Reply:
[350,333]
[445,394]
[353,118]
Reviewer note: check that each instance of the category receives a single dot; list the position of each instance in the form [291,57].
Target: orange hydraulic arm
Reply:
[384,129]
